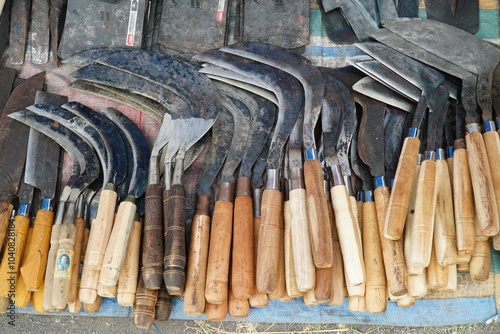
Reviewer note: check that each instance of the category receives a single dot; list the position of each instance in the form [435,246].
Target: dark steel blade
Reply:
[463,14]
[4,26]
[19,31]
[57,7]
[7,76]
[359,168]
[25,194]
[295,145]
[40,33]
[394,134]
[257,179]
[88,57]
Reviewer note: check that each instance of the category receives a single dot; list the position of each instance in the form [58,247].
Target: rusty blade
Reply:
[40,33]
[19,31]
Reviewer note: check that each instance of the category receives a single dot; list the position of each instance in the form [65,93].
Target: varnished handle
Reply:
[482,184]
[174,272]
[376,284]
[163,305]
[75,270]
[216,288]
[152,243]
[117,245]
[145,305]
[33,269]
[242,263]
[492,144]
[5,213]
[445,239]
[349,237]
[480,261]
[463,202]
[129,275]
[258,299]
[13,254]
[392,250]
[194,293]
[290,276]
[267,270]
[63,266]
[437,275]
[338,281]
[101,229]
[301,243]
[22,296]
[319,228]
[395,219]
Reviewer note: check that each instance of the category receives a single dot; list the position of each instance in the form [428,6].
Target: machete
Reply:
[463,14]
[56,8]
[40,33]
[8,75]
[4,25]
[13,140]
[19,25]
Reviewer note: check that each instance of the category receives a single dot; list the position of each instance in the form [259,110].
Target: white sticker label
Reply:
[132,20]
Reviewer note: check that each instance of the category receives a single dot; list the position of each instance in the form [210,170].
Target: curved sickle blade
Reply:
[138,143]
[88,57]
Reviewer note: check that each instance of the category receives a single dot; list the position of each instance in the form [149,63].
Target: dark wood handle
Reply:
[319,229]
[152,243]
[33,269]
[395,219]
[174,214]
[75,271]
[242,263]
[194,294]
[63,268]
[129,275]
[163,305]
[480,261]
[258,299]
[5,213]
[145,305]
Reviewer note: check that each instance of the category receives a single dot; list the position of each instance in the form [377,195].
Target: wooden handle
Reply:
[22,296]
[482,184]
[5,213]
[290,275]
[319,229]
[450,162]
[217,280]
[349,237]
[163,306]
[423,220]
[301,243]
[268,249]
[4,304]
[280,293]
[216,312]
[395,219]
[242,262]
[37,299]
[101,229]
[445,239]
[152,243]
[238,307]
[13,254]
[117,245]
[357,303]
[88,285]
[75,306]
[194,293]
[452,280]
[175,240]
[63,266]
[323,287]
[409,227]
[376,284]
[309,298]
[406,301]
[145,305]
[437,275]
[338,282]
[33,269]
[107,291]
[417,285]
[463,203]
[129,275]
[492,144]
[93,307]
[75,270]
[258,299]
[496,242]
[480,261]
[392,250]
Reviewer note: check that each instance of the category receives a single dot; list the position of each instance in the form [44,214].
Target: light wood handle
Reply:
[395,219]
[107,291]
[194,293]
[309,298]
[480,261]
[101,229]
[174,216]
[242,262]
[280,292]
[450,162]
[301,243]
[258,299]
[349,237]
[463,203]
[37,299]
[417,285]
[13,254]
[117,245]
[406,301]
[482,184]
[445,239]
[496,242]
[437,275]
[238,307]
[290,275]
[75,271]
[22,296]
[75,306]
[452,280]
[492,144]
[319,229]
[216,312]
[357,303]
[33,269]
[63,266]
[376,284]
[267,271]
[216,287]
[392,250]
[163,305]
[409,227]
[93,307]
[338,282]
[423,220]
[5,213]
[129,275]
[145,305]
[88,285]
[152,241]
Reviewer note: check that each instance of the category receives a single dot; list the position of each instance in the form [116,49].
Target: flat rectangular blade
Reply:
[40,34]
[19,31]
[7,75]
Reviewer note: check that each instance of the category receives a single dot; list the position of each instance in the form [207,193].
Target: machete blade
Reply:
[394,124]
[40,34]
[4,26]
[7,75]
[19,31]
[463,14]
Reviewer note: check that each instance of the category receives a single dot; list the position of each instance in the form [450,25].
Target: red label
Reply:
[300,19]
[220,14]
[130,39]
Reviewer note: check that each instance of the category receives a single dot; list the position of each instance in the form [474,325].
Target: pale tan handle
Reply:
[406,301]
[290,275]
[107,291]
[309,298]
[409,228]
[482,184]
[338,282]
[238,307]
[394,222]
[117,245]
[350,240]
[301,243]
[75,271]
[62,270]
[492,144]
[445,239]
[258,299]
[75,306]
[129,275]
[216,312]
[101,229]
[376,284]
[463,203]
[357,303]
[423,220]
[437,275]
[88,285]
[480,261]
[280,293]
[452,280]
[496,242]
[417,285]
[49,270]
[93,307]
[451,163]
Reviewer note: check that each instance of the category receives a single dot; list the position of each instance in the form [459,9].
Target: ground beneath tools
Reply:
[26,323]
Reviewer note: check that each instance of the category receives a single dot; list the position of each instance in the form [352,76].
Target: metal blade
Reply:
[394,133]
[8,75]
[295,145]
[4,26]
[19,31]
[40,33]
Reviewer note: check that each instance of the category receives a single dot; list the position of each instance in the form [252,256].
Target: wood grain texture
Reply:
[107,291]
[5,213]
[280,293]
[75,306]
[394,222]
[452,280]
[4,304]
[357,303]
[258,299]
[144,306]
[437,275]
[480,261]
[163,305]
[317,211]
[492,144]
[406,301]
[75,266]
[323,287]
[216,312]
[238,307]
[129,275]
[309,298]
[88,285]
[62,276]
[409,228]
[290,276]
